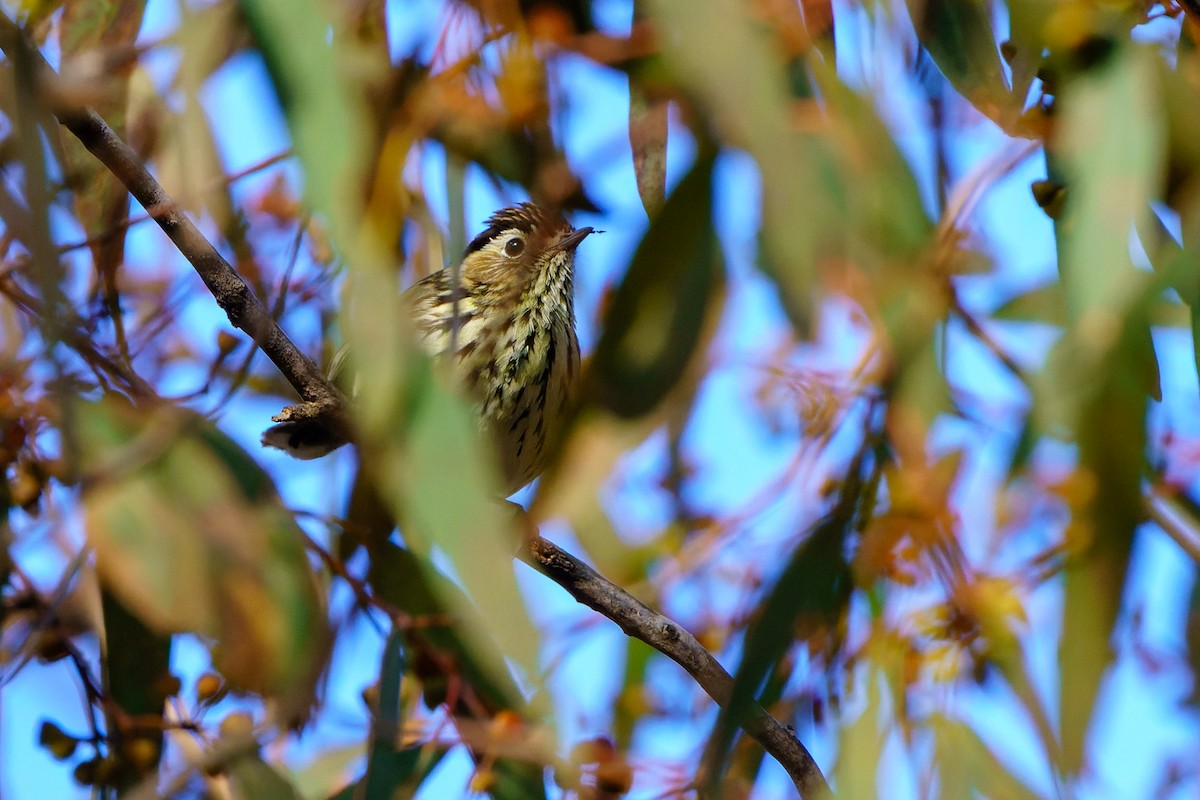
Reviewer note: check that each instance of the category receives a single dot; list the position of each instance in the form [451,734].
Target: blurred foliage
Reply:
[910,573]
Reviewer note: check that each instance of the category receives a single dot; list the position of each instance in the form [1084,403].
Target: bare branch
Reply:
[641,622]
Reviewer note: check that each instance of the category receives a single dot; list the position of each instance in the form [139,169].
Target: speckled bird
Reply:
[511,323]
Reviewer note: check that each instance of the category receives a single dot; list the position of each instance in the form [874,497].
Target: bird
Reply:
[510,322]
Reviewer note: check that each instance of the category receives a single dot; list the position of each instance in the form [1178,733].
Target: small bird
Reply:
[511,323]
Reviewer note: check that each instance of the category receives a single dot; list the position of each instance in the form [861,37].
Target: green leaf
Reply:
[319,776]
[888,232]
[137,676]
[389,768]
[968,768]
[658,317]
[860,745]
[101,201]
[1100,374]
[416,587]
[397,770]
[733,69]
[1113,167]
[190,536]
[1042,304]
[631,703]
[254,779]
[445,473]
[186,153]
[463,643]
[328,119]
[392,773]
[882,697]
[809,156]
[815,583]
[958,35]
[1027,24]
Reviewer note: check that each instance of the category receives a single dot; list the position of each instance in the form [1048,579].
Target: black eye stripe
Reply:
[503,236]
[480,241]
[522,218]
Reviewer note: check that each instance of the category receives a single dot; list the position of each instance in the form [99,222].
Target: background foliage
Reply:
[892,399]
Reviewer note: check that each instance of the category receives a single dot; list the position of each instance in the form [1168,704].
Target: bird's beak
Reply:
[569,243]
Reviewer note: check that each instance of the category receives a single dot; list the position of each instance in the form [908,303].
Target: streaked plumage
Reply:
[515,338]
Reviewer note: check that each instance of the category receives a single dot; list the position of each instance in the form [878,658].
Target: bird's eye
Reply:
[514,247]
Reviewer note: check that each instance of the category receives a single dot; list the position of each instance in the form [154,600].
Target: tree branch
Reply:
[247,313]
[641,622]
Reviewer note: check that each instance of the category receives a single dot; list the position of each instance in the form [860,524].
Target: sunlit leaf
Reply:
[861,741]
[327,119]
[402,579]
[190,535]
[432,466]
[1042,304]
[443,478]
[633,700]
[968,768]
[571,489]
[1113,170]
[317,779]
[189,163]
[1026,42]
[462,660]
[888,230]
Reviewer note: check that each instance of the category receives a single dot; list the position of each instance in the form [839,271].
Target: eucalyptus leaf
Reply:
[732,69]
[958,34]
[816,583]
[191,537]
[1102,372]
[328,122]
[657,318]
[967,767]
[255,779]
[101,201]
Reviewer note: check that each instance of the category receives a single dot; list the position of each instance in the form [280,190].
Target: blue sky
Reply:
[737,454]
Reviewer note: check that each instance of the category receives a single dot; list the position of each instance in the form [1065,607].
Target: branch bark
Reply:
[640,621]
[247,313]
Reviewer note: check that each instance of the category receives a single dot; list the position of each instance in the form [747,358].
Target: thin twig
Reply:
[1169,515]
[73,334]
[245,311]
[130,221]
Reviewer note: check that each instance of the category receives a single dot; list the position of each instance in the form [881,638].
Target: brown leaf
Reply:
[191,537]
